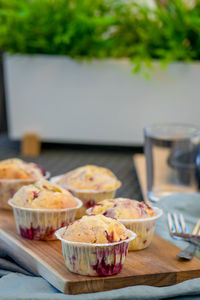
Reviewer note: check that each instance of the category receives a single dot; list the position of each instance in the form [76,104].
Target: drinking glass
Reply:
[172,159]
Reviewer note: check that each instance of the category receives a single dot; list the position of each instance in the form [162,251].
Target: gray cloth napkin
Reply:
[15,286]
[7,263]
[188,205]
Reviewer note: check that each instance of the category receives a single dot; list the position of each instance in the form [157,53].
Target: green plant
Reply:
[169,31]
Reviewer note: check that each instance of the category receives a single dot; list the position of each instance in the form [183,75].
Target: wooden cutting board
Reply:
[156,265]
[140,166]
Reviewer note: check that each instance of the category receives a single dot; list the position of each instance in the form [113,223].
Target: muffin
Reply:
[15,173]
[95,245]
[42,208]
[95,230]
[136,216]
[91,184]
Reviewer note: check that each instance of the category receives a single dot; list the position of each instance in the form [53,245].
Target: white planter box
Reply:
[99,103]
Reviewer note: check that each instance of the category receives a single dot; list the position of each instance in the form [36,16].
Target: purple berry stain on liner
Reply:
[103,268]
[39,233]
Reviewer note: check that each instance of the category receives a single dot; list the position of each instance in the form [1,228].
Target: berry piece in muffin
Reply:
[123,208]
[96,230]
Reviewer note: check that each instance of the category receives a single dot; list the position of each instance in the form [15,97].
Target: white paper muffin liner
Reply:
[144,229]
[8,187]
[41,224]
[94,259]
[88,197]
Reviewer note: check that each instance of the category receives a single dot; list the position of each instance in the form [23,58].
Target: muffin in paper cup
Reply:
[144,228]
[94,259]
[142,223]
[42,208]
[15,173]
[89,197]
[41,224]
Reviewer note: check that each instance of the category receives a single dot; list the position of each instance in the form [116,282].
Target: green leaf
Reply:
[103,29]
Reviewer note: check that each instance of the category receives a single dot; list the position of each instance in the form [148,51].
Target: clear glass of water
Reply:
[172,159]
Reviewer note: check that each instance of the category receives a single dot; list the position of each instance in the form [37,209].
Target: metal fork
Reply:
[189,251]
[177,224]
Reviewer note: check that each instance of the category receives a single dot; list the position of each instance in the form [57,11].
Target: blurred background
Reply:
[85,77]
[96,72]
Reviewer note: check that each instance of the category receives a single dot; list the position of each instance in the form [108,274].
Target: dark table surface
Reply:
[58,159]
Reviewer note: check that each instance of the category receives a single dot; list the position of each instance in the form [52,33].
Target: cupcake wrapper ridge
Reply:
[144,231]
[95,260]
[41,224]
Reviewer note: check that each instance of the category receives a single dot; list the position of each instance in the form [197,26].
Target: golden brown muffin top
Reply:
[90,177]
[96,230]
[123,208]
[43,195]
[16,168]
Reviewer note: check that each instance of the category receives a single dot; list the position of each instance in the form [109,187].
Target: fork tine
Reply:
[196,229]
[170,222]
[183,224]
[174,225]
[177,225]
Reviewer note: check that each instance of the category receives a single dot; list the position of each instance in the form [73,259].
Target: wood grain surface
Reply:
[156,265]
[140,165]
